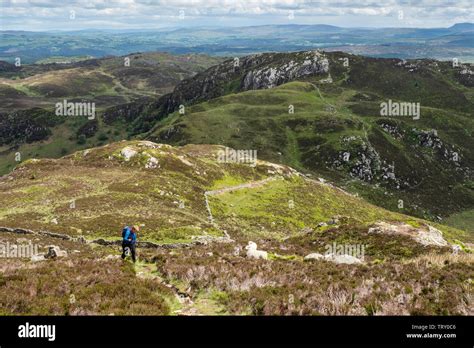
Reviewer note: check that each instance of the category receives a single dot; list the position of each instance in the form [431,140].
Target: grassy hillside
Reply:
[29,93]
[323,127]
[329,123]
[90,192]
[318,112]
[81,201]
[106,81]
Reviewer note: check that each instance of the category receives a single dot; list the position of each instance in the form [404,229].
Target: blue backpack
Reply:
[124,231]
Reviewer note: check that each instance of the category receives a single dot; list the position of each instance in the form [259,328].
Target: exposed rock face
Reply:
[430,139]
[363,161]
[466,76]
[426,236]
[366,164]
[361,158]
[391,129]
[127,112]
[260,71]
[26,126]
[89,129]
[313,63]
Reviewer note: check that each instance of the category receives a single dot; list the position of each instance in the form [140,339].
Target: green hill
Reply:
[389,159]
[318,112]
[28,125]
[191,257]
[166,189]
[328,123]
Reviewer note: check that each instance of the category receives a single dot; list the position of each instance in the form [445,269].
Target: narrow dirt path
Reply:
[332,107]
[251,184]
[185,305]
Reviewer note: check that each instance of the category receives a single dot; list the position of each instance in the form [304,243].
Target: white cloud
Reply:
[26,14]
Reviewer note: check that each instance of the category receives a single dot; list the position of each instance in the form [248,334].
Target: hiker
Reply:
[129,239]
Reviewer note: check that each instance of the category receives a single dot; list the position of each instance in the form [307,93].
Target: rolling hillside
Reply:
[316,111]
[107,81]
[28,125]
[191,256]
[329,123]
[89,192]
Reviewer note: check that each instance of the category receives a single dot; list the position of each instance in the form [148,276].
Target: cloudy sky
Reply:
[40,15]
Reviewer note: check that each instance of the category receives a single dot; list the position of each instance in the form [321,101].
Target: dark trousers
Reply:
[129,245]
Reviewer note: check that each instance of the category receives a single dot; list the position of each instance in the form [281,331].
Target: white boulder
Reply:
[314,256]
[345,259]
[128,153]
[252,252]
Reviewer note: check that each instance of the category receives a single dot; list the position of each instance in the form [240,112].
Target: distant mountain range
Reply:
[456,41]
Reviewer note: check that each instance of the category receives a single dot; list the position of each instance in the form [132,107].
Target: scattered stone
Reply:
[152,163]
[340,259]
[55,252]
[237,250]
[314,256]
[432,237]
[427,235]
[148,144]
[128,153]
[252,252]
[343,259]
[185,161]
[37,258]
[456,249]
[111,257]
